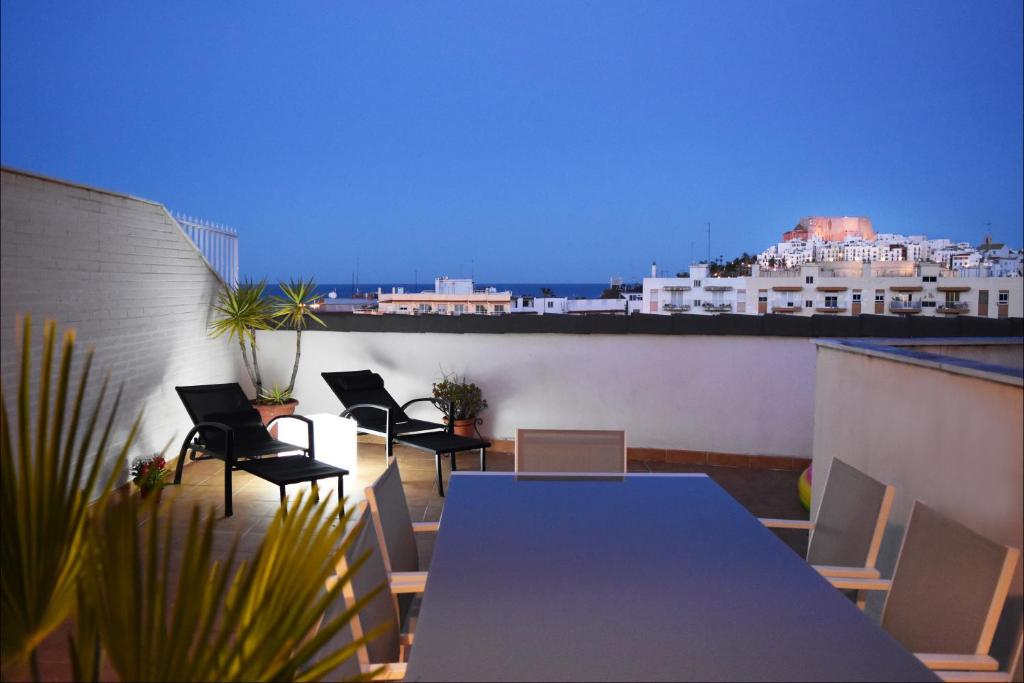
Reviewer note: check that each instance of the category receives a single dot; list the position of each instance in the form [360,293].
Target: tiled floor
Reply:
[765,493]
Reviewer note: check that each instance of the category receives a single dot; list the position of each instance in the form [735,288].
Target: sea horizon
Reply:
[586,290]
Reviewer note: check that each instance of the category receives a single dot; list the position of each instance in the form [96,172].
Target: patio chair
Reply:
[396,532]
[376,412]
[390,648]
[946,594]
[227,427]
[847,533]
[570,450]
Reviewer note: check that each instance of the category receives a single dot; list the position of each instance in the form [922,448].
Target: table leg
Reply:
[440,481]
[483,459]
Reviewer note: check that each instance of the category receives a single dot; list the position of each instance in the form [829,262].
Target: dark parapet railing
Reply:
[769,325]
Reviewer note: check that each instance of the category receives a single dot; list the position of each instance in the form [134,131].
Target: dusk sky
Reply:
[525,142]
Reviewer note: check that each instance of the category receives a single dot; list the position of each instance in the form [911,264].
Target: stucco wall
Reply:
[953,441]
[746,395]
[120,271]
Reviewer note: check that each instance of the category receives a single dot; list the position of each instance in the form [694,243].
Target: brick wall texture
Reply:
[120,271]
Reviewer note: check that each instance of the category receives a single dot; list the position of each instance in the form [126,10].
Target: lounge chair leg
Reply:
[316,491]
[282,493]
[389,452]
[341,497]
[454,466]
[440,481]
[483,459]
[228,508]
[180,465]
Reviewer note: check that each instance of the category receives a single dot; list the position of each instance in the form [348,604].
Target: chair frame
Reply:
[980,666]
[398,582]
[868,571]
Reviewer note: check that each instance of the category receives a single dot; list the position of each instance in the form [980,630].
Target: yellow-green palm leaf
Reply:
[199,619]
[49,473]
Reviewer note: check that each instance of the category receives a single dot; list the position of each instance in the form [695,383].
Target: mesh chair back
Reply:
[225,403]
[851,518]
[948,588]
[380,611]
[363,386]
[570,450]
[393,522]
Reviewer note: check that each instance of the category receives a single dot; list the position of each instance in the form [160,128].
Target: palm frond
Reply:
[241,311]
[48,476]
[295,308]
[195,618]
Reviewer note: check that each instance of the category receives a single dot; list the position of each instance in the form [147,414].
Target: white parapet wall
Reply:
[741,395]
[943,429]
[122,273]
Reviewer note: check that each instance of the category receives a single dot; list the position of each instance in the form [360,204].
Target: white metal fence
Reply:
[218,244]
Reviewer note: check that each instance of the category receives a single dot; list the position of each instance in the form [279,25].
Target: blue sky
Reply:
[527,142]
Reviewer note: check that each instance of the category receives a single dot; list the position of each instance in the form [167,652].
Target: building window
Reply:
[551,304]
[1004,297]
[480,308]
[928,304]
[808,303]
[856,297]
[952,297]
[424,308]
[499,308]
[696,302]
[460,309]
[762,298]
[831,302]
[879,296]
[696,283]
[809,279]
[929,278]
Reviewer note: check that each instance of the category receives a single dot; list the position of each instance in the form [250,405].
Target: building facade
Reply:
[840,288]
[450,297]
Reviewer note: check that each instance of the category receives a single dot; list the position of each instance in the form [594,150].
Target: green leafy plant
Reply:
[199,619]
[49,472]
[275,395]
[241,311]
[295,309]
[466,398]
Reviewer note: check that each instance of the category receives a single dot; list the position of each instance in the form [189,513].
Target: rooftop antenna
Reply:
[709,241]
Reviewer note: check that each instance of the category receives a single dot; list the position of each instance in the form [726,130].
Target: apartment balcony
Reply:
[905,307]
[787,309]
[676,288]
[717,288]
[954,308]
[830,309]
[676,307]
[717,307]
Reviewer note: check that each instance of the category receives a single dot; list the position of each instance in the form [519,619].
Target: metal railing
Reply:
[959,306]
[218,244]
[900,305]
[676,307]
[717,307]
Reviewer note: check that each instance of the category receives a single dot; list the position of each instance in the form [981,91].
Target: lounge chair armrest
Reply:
[392,671]
[950,662]
[426,527]
[309,430]
[832,571]
[771,523]
[442,404]
[228,431]
[407,582]
[406,639]
[376,406]
[860,584]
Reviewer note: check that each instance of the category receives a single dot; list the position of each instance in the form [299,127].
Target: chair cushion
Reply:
[237,418]
[360,380]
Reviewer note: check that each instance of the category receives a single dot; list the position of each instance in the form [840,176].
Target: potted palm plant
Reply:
[245,310]
[466,399]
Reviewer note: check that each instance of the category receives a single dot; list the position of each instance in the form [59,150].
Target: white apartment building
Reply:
[450,297]
[628,302]
[840,288]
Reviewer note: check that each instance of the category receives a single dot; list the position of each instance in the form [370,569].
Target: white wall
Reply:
[725,394]
[120,271]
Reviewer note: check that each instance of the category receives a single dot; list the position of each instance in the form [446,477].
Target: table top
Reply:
[634,577]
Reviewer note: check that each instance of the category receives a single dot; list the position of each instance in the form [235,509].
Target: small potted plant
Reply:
[467,402]
[150,474]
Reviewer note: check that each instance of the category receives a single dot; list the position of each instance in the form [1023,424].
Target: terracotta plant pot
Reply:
[466,428]
[269,411]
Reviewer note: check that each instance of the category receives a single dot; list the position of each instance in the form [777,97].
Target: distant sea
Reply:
[585,290]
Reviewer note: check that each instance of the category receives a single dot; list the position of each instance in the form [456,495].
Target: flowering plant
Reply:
[149,474]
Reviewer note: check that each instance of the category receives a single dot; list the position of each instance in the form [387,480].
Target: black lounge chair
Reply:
[376,412]
[228,428]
